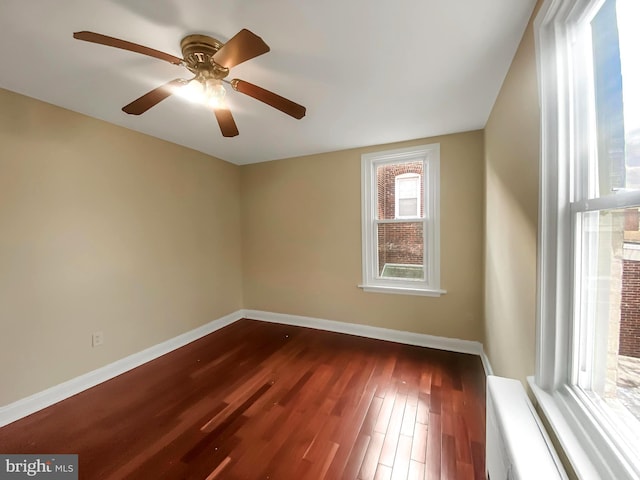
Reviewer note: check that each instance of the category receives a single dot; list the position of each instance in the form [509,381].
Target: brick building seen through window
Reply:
[630,302]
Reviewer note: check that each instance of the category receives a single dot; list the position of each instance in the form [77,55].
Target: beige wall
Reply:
[512,137]
[302,241]
[102,228]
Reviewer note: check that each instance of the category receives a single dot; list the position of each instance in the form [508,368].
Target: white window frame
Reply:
[406,176]
[371,281]
[592,448]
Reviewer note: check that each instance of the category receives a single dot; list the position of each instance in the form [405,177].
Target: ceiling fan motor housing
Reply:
[198,52]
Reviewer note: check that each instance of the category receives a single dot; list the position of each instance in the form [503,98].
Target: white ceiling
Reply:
[368,71]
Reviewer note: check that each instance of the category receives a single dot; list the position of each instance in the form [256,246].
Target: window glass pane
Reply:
[615,37]
[608,336]
[386,185]
[400,250]
[408,187]
[408,207]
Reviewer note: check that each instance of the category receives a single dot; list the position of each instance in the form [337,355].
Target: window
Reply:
[589,244]
[400,221]
[408,195]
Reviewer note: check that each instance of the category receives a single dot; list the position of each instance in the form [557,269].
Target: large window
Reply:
[588,361]
[400,221]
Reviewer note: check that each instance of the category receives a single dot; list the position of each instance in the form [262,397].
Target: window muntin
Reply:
[400,211]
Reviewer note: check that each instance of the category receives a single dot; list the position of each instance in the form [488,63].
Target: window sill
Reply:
[588,457]
[402,290]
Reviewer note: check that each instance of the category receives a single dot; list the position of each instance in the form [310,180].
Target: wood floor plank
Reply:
[383,473]
[371,417]
[478,460]
[464,471]
[385,378]
[330,454]
[402,459]
[424,405]
[416,471]
[434,448]
[386,410]
[256,400]
[370,462]
[409,418]
[419,445]
[219,469]
[347,433]
[392,436]
[425,381]
[356,457]
[448,469]
[461,437]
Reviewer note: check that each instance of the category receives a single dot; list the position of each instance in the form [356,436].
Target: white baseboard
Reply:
[409,338]
[488,370]
[26,406]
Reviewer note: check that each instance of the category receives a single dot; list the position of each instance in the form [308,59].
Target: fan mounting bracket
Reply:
[198,51]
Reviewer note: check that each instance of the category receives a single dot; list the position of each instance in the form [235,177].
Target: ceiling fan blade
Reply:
[152,98]
[123,44]
[244,46]
[226,122]
[270,98]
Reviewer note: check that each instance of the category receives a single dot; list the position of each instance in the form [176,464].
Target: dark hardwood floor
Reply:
[266,401]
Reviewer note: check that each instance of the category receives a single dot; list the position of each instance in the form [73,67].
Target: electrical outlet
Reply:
[97,339]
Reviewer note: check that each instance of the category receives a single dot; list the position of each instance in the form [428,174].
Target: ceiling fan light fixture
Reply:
[205,91]
[193,91]
[214,92]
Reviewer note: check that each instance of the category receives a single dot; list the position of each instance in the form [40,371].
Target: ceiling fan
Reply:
[210,60]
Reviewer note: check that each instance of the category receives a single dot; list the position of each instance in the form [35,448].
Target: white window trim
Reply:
[405,176]
[591,451]
[371,282]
